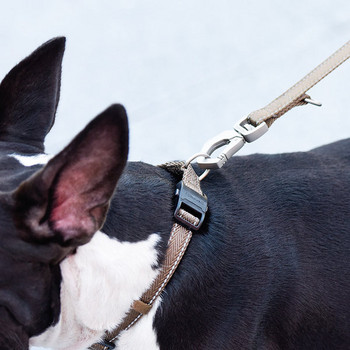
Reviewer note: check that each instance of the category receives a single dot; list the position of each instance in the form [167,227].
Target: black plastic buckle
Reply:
[192,202]
[107,344]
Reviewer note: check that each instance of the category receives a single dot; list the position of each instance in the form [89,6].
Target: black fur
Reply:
[29,289]
[29,96]
[269,269]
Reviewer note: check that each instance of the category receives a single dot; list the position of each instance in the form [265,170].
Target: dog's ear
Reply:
[67,200]
[29,95]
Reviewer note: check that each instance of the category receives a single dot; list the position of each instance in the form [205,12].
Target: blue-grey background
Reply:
[186,70]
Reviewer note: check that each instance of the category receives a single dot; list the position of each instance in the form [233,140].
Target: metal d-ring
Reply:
[188,162]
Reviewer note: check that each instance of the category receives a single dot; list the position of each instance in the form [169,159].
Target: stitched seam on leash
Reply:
[166,280]
[131,324]
[140,315]
[178,242]
[172,269]
[313,83]
[295,96]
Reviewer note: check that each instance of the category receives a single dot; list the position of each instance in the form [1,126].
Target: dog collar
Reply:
[189,212]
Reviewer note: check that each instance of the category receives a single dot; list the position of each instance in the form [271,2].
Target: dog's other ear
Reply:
[29,95]
[67,200]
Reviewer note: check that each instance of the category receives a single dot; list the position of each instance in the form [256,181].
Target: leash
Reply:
[190,211]
[258,122]
[192,203]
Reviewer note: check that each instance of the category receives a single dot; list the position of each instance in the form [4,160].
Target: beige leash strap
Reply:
[177,244]
[256,124]
[296,95]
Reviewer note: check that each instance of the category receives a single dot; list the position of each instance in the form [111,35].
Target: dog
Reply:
[84,234]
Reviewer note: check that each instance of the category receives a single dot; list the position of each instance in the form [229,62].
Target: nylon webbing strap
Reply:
[295,96]
[177,245]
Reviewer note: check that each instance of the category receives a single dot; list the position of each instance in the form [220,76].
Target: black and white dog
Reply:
[269,269]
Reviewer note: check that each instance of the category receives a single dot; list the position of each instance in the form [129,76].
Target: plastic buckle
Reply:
[193,203]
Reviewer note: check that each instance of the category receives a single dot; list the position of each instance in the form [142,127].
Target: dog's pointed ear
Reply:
[29,95]
[67,200]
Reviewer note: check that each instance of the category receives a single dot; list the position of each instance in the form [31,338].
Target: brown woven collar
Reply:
[177,244]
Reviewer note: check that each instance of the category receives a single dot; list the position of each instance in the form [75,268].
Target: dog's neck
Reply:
[99,283]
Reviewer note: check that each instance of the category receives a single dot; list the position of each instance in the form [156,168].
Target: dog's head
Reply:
[46,212]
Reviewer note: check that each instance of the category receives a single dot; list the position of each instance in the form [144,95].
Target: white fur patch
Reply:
[99,283]
[141,335]
[32,160]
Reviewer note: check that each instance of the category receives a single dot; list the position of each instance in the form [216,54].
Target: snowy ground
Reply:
[186,70]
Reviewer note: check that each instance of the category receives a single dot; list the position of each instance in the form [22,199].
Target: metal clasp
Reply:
[249,131]
[234,140]
[191,202]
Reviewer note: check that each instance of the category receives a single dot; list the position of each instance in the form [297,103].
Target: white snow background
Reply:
[187,70]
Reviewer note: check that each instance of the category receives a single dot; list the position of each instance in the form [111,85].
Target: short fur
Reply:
[269,269]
